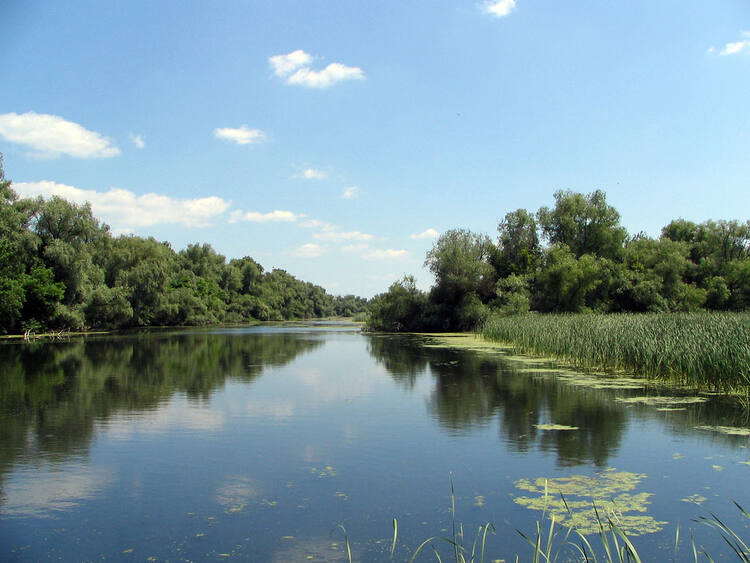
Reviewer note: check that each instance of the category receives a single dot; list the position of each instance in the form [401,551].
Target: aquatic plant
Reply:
[703,350]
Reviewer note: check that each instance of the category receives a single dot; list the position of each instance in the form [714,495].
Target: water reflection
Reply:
[473,389]
[53,395]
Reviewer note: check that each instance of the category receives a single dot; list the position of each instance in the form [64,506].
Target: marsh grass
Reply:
[703,350]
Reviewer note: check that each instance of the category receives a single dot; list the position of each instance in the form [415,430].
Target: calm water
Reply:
[255,443]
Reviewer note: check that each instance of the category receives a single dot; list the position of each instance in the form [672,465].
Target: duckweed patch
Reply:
[731,430]
[695,499]
[661,401]
[327,471]
[554,427]
[583,502]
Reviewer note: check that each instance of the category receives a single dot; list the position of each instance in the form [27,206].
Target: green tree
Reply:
[460,262]
[585,223]
[518,244]
[403,308]
[564,281]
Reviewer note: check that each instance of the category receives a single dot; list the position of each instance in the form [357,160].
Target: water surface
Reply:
[258,443]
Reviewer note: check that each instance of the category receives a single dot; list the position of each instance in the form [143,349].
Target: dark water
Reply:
[256,443]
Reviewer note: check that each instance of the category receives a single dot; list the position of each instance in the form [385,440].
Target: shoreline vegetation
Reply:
[62,270]
[708,351]
[570,282]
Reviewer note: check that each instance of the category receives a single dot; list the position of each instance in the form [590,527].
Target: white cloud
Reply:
[354,248]
[275,216]
[339,236]
[429,233]
[499,8]
[124,210]
[350,192]
[284,65]
[388,254]
[138,141]
[242,135]
[309,250]
[295,69]
[51,136]
[735,47]
[315,224]
[330,75]
[311,174]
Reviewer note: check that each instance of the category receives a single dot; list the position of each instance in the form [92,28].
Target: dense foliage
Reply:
[61,268]
[588,263]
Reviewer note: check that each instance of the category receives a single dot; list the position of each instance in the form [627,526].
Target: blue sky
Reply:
[336,139]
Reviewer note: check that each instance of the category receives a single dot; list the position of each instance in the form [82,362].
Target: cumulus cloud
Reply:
[242,135]
[311,174]
[386,254]
[350,192]
[284,65]
[124,210]
[309,250]
[275,216]
[339,236]
[50,136]
[429,233]
[138,141]
[499,8]
[295,69]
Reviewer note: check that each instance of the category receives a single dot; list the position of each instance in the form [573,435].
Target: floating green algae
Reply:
[731,430]
[554,427]
[236,493]
[590,501]
[695,499]
[662,401]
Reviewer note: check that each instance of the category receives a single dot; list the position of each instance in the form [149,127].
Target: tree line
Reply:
[573,257]
[60,267]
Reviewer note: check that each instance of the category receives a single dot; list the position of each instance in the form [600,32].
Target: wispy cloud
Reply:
[311,174]
[242,135]
[295,69]
[429,233]
[734,47]
[315,224]
[350,192]
[354,248]
[51,136]
[309,250]
[124,210]
[340,236]
[276,216]
[386,254]
[499,8]
[138,141]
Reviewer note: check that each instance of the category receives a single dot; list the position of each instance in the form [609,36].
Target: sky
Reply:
[336,140]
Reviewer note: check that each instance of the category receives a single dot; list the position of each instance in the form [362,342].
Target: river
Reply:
[286,442]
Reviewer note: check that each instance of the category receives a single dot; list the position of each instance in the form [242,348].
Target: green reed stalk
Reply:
[706,350]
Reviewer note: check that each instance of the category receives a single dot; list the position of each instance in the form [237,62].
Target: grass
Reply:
[552,543]
[704,350]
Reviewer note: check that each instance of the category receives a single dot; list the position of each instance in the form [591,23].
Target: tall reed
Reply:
[706,350]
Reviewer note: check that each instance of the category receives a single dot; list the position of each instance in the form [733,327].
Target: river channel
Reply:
[286,442]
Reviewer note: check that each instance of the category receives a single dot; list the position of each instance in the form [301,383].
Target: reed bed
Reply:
[705,350]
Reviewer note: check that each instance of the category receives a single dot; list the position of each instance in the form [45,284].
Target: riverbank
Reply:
[707,351]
